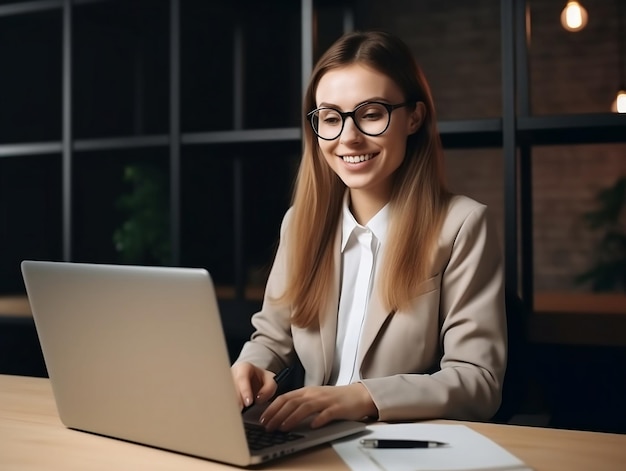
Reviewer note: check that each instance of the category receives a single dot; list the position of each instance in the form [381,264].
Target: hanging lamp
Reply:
[619,104]
[574,16]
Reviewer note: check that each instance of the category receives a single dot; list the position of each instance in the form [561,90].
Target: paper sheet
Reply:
[466,450]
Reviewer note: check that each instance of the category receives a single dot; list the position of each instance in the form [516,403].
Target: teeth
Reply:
[355,159]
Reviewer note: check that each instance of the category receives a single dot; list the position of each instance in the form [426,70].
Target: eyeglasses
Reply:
[371,118]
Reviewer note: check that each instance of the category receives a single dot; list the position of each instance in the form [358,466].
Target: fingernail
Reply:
[262,420]
[248,401]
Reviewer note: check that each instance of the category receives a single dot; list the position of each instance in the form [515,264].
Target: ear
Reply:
[416,117]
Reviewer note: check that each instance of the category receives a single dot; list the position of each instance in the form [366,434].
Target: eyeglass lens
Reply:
[370,118]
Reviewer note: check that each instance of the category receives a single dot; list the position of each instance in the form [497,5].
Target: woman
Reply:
[386,287]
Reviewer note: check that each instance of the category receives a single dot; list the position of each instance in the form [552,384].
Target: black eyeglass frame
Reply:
[351,114]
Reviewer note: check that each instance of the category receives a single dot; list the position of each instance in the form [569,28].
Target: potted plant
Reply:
[608,270]
[143,238]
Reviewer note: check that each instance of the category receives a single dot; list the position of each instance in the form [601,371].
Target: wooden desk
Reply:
[32,437]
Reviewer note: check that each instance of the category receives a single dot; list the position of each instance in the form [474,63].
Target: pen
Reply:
[282,374]
[380,443]
[278,378]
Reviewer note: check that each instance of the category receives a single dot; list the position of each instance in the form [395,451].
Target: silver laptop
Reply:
[139,354]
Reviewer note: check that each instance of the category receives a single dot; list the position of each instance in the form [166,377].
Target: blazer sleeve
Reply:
[467,383]
[271,344]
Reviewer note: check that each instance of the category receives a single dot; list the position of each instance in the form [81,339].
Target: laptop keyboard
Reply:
[259,438]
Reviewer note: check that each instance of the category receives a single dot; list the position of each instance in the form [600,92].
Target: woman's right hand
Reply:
[253,384]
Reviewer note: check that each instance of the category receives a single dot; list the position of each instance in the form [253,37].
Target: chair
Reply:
[516,377]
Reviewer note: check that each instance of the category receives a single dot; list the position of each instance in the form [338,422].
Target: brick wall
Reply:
[458,45]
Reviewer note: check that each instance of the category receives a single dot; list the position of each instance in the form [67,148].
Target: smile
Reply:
[355,159]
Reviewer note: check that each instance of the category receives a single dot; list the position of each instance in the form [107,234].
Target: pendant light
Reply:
[574,16]
[619,104]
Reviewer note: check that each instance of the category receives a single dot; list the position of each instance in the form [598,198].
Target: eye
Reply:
[372,112]
[329,117]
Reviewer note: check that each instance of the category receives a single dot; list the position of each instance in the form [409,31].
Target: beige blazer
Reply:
[444,357]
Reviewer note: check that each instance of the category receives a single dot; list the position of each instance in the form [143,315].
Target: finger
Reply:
[323,418]
[291,409]
[243,385]
[297,416]
[268,389]
[276,413]
[246,395]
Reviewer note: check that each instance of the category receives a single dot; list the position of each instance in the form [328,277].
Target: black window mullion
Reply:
[67,153]
[174,131]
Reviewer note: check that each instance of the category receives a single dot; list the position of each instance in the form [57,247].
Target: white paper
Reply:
[466,450]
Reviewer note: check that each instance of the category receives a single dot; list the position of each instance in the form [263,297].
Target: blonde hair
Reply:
[418,202]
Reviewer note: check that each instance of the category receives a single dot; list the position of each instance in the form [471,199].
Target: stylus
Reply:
[282,374]
[278,378]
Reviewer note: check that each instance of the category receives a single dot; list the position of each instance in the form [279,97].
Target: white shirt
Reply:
[360,255]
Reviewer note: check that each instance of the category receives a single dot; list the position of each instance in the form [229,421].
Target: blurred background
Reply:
[167,132]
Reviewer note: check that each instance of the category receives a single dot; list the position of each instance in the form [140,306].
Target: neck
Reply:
[364,205]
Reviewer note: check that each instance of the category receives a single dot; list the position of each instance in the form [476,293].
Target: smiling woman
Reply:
[386,287]
[366,150]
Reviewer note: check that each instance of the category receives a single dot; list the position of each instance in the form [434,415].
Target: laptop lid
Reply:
[138,353]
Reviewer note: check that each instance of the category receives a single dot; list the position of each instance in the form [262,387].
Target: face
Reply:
[366,164]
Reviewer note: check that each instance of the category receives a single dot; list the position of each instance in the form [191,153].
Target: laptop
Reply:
[138,353]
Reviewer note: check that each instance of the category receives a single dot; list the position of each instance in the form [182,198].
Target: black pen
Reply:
[278,378]
[383,443]
[282,374]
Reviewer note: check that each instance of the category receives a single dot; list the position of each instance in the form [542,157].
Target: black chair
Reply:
[515,386]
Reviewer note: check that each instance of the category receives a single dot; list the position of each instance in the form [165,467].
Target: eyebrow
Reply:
[368,100]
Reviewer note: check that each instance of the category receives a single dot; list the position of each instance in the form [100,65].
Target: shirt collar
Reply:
[378,224]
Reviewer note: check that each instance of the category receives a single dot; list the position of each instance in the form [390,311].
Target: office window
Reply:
[30,77]
[219,183]
[30,214]
[574,72]
[120,84]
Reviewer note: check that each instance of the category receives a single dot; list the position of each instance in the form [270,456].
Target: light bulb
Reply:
[619,104]
[574,16]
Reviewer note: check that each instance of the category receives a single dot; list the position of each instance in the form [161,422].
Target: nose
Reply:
[350,133]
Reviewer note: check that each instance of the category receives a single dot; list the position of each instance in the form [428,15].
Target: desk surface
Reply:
[32,437]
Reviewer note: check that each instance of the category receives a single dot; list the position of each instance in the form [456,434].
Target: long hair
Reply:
[418,202]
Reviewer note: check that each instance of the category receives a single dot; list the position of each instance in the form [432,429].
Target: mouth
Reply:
[355,159]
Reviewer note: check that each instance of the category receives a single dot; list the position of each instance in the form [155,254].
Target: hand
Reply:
[252,383]
[351,402]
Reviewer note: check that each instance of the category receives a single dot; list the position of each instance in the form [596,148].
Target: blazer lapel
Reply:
[375,317]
